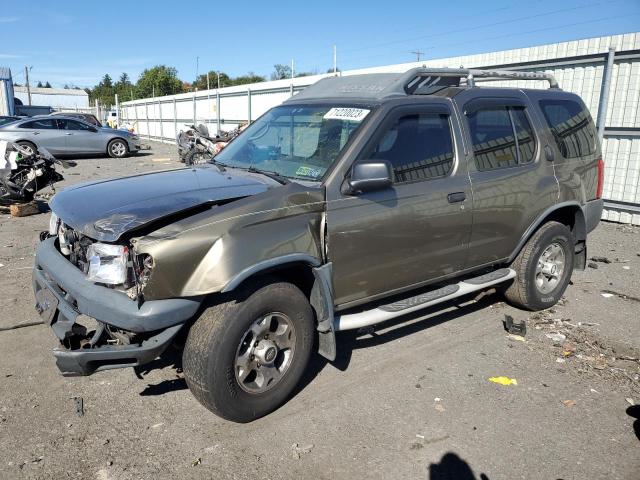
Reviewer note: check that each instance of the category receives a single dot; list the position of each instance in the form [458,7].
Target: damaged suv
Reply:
[357,201]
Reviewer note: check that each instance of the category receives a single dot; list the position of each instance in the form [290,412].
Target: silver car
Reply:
[62,135]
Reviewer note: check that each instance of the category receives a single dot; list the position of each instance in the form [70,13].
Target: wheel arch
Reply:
[570,214]
[117,138]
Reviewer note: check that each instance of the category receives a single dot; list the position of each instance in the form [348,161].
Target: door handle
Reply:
[68,133]
[36,133]
[456,197]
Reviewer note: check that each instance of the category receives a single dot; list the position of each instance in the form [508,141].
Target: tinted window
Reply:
[571,126]
[418,146]
[72,125]
[524,135]
[494,145]
[40,124]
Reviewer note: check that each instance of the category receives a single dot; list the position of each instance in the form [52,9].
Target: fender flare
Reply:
[580,226]
[268,264]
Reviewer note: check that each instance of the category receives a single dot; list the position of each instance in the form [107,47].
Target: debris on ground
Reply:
[515,327]
[607,295]
[593,265]
[568,403]
[79,401]
[439,407]
[504,380]
[298,450]
[196,462]
[630,401]
[556,338]
[600,259]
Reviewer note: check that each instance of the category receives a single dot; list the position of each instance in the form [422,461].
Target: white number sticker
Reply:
[347,113]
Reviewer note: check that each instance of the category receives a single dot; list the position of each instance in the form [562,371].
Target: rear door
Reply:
[81,138]
[44,133]
[512,182]
[415,231]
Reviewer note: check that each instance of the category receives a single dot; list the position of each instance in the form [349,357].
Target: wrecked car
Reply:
[24,172]
[357,201]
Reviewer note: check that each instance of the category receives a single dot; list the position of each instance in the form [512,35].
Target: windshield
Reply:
[295,141]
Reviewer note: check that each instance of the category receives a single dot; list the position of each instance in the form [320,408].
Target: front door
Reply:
[81,137]
[415,231]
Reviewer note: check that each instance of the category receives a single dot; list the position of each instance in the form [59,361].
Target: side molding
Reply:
[267,264]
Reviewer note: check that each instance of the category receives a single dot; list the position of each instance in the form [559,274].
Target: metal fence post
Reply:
[291,90]
[117,111]
[146,111]
[175,117]
[218,109]
[248,105]
[603,104]
[194,108]
[160,115]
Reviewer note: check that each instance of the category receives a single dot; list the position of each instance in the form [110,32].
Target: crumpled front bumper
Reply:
[63,293]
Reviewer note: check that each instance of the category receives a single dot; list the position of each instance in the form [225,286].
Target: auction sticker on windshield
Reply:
[308,172]
[346,113]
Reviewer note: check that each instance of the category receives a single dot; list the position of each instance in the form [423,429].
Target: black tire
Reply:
[28,145]
[214,341]
[525,291]
[117,148]
[196,157]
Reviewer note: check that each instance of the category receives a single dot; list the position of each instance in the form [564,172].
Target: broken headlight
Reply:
[107,263]
[54,223]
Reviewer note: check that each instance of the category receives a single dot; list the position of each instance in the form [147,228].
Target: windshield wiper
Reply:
[272,175]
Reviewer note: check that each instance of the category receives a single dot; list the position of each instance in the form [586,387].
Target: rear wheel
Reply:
[544,268]
[117,148]
[244,357]
[30,147]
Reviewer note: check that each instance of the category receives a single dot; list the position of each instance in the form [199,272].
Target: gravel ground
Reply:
[409,400]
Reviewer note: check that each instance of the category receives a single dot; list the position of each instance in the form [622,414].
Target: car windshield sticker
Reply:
[346,113]
[308,172]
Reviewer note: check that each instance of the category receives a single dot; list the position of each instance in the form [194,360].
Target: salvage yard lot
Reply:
[409,400]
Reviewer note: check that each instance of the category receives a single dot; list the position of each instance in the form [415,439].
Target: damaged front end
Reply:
[101,326]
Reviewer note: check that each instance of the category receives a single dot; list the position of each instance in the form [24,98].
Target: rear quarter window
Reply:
[571,126]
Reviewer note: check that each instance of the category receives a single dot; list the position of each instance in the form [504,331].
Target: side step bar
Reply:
[423,300]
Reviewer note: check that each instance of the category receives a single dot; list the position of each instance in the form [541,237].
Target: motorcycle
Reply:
[195,146]
[24,173]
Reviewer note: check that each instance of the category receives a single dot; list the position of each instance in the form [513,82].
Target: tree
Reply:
[39,85]
[47,85]
[201,82]
[281,72]
[248,78]
[123,87]
[159,80]
[103,92]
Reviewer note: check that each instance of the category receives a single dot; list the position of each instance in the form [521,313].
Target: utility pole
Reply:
[417,53]
[292,68]
[335,60]
[26,74]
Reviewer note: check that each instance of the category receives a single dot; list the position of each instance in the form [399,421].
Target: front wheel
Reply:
[117,148]
[244,357]
[544,267]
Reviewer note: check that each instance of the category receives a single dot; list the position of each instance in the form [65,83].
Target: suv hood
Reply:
[107,209]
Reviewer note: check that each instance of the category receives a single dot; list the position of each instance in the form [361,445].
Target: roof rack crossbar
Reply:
[470,75]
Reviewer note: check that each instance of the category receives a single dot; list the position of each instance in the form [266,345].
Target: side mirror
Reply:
[93,129]
[369,175]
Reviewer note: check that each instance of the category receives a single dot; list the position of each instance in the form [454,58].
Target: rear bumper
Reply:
[593,213]
[71,294]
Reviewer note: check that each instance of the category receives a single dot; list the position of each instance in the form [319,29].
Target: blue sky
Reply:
[76,42]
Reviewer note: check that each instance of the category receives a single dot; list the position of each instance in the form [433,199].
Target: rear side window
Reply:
[418,146]
[502,137]
[40,124]
[571,126]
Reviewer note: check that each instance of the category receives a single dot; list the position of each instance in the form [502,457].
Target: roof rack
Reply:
[423,80]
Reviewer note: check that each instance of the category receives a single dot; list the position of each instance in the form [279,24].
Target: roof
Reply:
[421,80]
[52,91]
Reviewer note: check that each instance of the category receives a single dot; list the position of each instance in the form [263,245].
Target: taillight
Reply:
[600,178]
